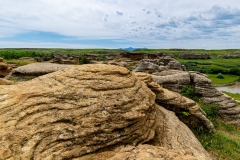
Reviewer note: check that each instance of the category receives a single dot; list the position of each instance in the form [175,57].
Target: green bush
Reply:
[101,58]
[234,71]
[190,92]
[220,76]
[84,60]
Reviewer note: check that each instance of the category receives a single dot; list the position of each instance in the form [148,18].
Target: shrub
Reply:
[220,76]
[101,58]
[234,71]
[190,92]
[84,60]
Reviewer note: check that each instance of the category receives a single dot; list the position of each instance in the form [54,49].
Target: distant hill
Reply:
[133,49]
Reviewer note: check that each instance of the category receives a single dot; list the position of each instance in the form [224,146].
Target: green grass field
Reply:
[235,96]
[228,79]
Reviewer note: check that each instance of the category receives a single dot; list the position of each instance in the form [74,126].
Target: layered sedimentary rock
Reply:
[34,70]
[148,152]
[158,65]
[5,82]
[5,69]
[85,109]
[74,112]
[179,104]
[176,80]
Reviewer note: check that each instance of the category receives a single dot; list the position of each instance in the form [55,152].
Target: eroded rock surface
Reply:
[34,70]
[85,109]
[5,82]
[73,112]
[175,102]
[158,65]
[174,135]
[148,152]
[176,80]
[5,69]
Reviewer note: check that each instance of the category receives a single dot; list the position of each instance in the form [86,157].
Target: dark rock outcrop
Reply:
[194,56]
[64,59]
[5,69]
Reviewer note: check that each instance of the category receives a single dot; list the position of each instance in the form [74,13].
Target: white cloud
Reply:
[156,21]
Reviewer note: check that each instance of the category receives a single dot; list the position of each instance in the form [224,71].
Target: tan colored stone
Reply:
[73,112]
[148,152]
[174,135]
[175,102]
[5,82]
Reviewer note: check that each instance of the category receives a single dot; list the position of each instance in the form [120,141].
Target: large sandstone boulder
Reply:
[73,112]
[85,109]
[148,152]
[34,70]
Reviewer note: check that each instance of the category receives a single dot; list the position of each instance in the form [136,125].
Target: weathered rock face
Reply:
[194,56]
[34,70]
[176,80]
[64,59]
[158,65]
[5,69]
[177,103]
[174,135]
[148,152]
[73,112]
[4,82]
[133,55]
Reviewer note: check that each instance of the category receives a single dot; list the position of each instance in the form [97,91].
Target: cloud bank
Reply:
[115,24]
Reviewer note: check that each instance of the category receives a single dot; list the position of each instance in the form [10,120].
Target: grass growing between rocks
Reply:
[18,62]
[235,96]
[225,143]
[228,79]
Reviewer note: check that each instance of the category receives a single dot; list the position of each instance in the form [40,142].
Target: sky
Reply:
[205,24]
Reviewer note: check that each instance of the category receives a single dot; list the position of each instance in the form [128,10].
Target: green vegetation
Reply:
[17,53]
[18,62]
[84,60]
[220,76]
[235,96]
[225,143]
[213,66]
[228,79]
[190,92]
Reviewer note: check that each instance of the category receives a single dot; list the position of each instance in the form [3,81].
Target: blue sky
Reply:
[204,24]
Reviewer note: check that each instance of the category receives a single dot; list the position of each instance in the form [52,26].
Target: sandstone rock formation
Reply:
[176,80]
[64,59]
[4,82]
[85,109]
[174,135]
[148,152]
[5,69]
[177,103]
[158,65]
[33,70]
